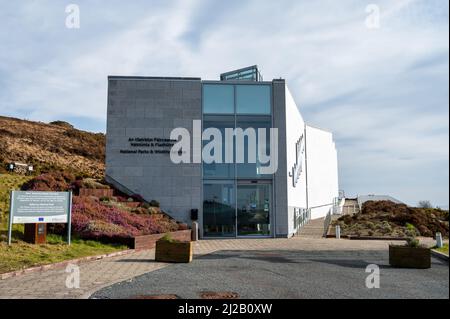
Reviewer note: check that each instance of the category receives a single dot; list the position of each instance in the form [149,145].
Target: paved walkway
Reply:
[99,274]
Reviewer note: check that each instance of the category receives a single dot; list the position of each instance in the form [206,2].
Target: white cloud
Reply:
[384,92]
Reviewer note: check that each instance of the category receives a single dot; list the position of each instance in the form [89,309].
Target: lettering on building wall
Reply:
[149,145]
[297,169]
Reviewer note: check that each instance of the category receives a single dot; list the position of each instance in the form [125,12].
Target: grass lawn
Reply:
[443,249]
[21,255]
[9,182]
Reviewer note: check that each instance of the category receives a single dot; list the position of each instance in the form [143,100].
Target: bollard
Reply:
[439,243]
[338,232]
[194,235]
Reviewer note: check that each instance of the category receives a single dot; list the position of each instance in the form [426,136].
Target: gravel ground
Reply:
[286,275]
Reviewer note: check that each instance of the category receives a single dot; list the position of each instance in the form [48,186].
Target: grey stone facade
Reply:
[142,109]
[151,108]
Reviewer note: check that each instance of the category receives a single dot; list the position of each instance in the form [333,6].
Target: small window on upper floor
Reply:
[218,99]
[253,99]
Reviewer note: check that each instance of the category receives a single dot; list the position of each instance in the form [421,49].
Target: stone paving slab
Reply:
[51,284]
[97,274]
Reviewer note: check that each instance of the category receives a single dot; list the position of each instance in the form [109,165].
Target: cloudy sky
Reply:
[382,91]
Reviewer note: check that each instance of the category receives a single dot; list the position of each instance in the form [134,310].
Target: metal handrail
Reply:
[327,223]
[119,186]
[302,219]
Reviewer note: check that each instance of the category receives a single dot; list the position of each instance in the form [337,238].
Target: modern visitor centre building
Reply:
[234,155]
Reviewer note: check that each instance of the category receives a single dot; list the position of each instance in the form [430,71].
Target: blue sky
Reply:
[383,92]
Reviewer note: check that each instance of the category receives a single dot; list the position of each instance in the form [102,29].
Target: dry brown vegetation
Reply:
[50,147]
[385,218]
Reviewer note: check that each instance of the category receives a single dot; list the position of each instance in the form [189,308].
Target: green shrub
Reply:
[412,242]
[167,237]
[411,230]
[386,227]
[154,210]
[154,203]
[93,184]
[370,225]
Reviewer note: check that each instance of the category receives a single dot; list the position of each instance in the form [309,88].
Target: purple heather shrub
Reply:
[93,219]
[54,181]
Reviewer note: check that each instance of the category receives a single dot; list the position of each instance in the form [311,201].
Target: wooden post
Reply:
[35,233]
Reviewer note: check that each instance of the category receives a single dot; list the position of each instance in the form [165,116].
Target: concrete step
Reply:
[314,229]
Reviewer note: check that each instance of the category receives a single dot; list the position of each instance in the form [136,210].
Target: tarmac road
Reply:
[287,274]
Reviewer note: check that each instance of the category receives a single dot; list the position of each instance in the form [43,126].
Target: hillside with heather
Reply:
[67,159]
[51,147]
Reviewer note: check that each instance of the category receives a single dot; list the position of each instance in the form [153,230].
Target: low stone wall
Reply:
[149,241]
[96,192]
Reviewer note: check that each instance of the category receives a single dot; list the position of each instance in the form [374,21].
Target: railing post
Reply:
[194,235]
[338,232]
[439,242]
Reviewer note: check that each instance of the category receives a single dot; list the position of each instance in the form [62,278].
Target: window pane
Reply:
[219,170]
[219,210]
[253,210]
[218,99]
[253,170]
[253,99]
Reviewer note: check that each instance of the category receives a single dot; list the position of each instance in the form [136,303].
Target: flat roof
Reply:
[319,128]
[232,82]
[116,77]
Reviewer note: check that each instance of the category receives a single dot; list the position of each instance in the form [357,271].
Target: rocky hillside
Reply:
[49,147]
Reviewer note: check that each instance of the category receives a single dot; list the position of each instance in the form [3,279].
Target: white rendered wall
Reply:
[322,170]
[295,128]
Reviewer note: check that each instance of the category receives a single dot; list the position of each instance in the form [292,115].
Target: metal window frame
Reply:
[236,180]
[239,73]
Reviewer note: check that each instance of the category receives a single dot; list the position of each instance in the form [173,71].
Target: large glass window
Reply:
[237,194]
[252,170]
[253,99]
[219,209]
[218,99]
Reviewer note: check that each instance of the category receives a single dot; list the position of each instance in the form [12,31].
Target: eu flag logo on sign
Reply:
[41,219]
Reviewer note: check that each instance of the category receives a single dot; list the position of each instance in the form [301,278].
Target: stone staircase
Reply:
[314,229]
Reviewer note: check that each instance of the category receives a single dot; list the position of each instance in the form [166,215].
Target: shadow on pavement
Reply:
[349,259]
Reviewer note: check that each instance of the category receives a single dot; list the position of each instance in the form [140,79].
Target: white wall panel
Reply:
[322,170]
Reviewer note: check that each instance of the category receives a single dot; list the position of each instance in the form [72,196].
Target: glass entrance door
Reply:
[219,209]
[253,209]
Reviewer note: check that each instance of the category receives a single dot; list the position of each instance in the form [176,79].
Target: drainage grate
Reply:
[219,295]
[144,297]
